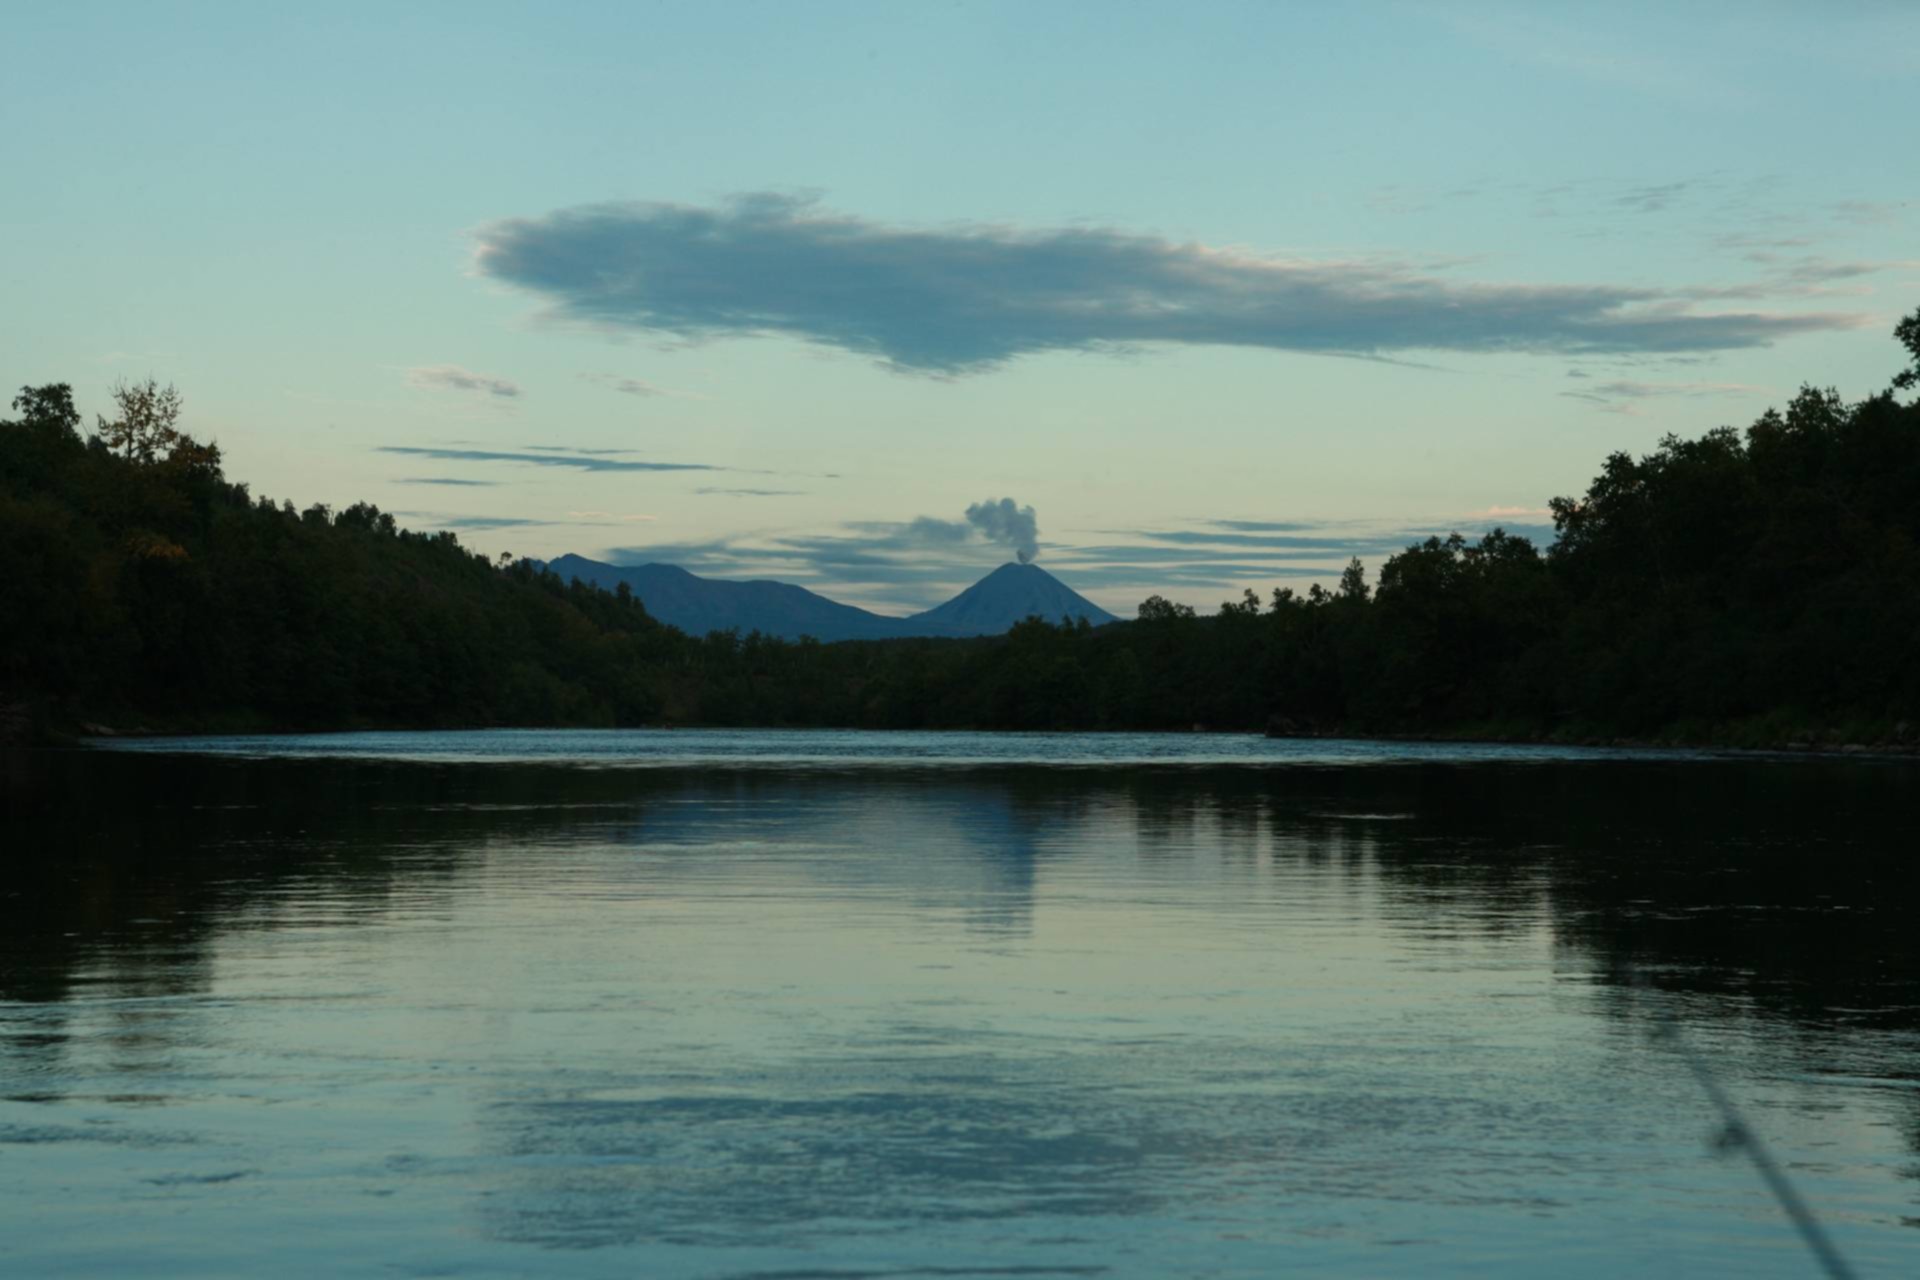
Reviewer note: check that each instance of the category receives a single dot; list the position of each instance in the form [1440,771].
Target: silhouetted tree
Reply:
[144,430]
[1908,334]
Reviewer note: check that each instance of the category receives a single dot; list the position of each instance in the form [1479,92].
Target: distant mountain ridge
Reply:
[697,605]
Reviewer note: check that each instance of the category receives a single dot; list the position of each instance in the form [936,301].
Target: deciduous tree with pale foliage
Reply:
[146,430]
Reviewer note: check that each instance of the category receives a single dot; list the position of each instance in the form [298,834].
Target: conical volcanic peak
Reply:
[1011,594]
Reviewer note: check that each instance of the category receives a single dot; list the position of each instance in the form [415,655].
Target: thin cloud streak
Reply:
[1289,542]
[577,461]
[1619,396]
[968,299]
[484,523]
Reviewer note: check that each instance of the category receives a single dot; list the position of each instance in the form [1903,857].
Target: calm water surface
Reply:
[852,1005]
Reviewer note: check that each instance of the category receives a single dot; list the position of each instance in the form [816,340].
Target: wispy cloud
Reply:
[1654,197]
[1748,240]
[452,377]
[448,481]
[482,523]
[1803,276]
[1816,270]
[639,387]
[579,461]
[1608,396]
[608,515]
[1872,213]
[967,299]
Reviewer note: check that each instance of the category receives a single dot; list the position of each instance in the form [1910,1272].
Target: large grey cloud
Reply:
[965,299]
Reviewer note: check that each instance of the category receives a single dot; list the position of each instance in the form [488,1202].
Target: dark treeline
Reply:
[1759,586]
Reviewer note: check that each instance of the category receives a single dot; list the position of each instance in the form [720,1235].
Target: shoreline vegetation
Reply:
[71,735]
[1756,589]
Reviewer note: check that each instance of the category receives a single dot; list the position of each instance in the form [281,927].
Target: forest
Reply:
[1756,587]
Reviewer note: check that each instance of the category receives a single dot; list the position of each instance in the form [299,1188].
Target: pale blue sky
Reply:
[874,263]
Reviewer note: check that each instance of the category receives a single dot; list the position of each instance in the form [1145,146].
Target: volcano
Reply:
[1012,593]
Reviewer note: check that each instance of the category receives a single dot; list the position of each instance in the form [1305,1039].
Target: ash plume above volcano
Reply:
[1008,524]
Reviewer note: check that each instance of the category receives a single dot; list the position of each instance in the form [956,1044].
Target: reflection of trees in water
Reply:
[132,865]
[1730,891]
[1779,890]
[131,868]
[1781,883]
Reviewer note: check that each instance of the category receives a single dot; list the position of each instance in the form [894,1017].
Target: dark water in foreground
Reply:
[845,1005]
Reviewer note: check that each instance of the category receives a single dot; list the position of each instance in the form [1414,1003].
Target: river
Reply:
[850,1005]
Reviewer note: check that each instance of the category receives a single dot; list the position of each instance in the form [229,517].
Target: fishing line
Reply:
[1737,1133]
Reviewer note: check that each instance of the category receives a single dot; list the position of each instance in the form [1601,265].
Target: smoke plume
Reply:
[1009,525]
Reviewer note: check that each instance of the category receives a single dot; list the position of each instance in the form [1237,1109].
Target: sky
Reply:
[872,297]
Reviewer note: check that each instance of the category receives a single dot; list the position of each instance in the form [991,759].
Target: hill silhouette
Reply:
[699,605]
